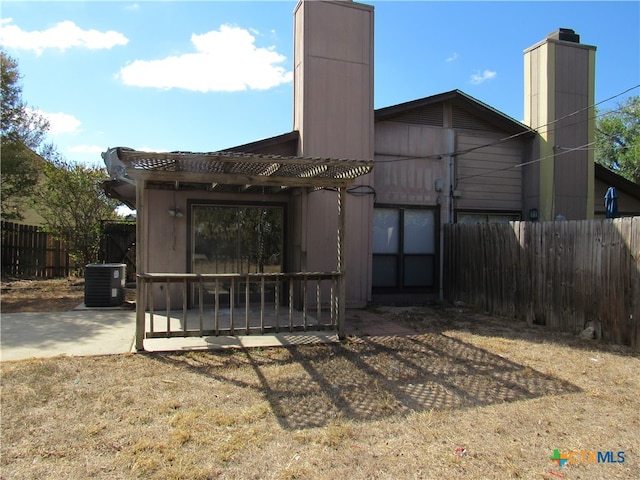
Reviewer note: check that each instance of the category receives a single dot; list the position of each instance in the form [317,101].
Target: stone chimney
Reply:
[559,77]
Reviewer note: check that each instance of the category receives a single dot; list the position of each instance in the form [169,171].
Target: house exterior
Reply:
[409,169]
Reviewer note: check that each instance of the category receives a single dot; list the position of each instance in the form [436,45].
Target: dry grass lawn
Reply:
[54,295]
[370,408]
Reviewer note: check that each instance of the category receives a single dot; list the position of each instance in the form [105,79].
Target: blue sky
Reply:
[207,75]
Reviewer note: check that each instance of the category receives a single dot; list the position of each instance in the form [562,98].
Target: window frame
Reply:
[191,203]
[401,256]
[508,215]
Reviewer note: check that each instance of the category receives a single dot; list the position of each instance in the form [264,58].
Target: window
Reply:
[404,248]
[236,239]
[465,217]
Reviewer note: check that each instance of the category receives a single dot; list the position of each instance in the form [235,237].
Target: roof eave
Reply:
[456,96]
[618,181]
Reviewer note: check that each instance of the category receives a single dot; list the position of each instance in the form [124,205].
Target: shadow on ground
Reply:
[371,378]
[438,318]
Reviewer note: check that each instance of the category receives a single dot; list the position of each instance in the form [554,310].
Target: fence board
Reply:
[118,245]
[27,251]
[560,274]
[634,248]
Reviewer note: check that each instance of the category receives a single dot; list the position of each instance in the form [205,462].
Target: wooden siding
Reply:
[571,172]
[488,178]
[461,119]
[401,179]
[333,112]
[333,85]
[317,248]
[432,115]
[559,81]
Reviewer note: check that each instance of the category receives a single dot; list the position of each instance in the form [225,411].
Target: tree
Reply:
[73,204]
[618,139]
[23,132]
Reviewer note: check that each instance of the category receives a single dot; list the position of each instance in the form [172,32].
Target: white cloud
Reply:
[132,7]
[225,60]
[480,77]
[87,149]
[452,58]
[60,122]
[61,36]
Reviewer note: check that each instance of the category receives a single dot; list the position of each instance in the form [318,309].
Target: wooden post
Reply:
[318,304]
[342,196]
[217,307]
[246,307]
[291,304]
[184,305]
[201,302]
[168,304]
[262,304]
[277,302]
[141,267]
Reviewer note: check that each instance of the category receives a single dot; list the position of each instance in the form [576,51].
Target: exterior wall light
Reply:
[534,214]
[176,212]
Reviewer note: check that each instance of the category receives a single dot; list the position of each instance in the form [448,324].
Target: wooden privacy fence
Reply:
[28,251]
[560,274]
[119,245]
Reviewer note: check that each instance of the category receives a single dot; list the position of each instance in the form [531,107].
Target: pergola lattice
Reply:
[243,170]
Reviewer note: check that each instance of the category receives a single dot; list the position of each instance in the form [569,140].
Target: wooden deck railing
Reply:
[232,304]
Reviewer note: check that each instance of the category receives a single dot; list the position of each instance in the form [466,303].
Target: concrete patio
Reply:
[110,331]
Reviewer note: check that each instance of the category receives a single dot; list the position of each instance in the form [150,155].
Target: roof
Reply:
[233,168]
[285,144]
[607,176]
[462,100]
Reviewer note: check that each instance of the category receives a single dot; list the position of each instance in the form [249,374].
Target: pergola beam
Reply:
[231,168]
[141,265]
[169,158]
[237,179]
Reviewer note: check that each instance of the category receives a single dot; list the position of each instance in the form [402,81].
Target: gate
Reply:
[119,245]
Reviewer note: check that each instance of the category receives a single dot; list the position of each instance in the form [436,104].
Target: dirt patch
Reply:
[507,393]
[45,295]
[51,295]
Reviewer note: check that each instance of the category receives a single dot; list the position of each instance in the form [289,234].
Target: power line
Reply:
[558,151]
[438,156]
[587,108]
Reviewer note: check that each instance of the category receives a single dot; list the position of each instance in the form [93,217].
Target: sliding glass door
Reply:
[236,239]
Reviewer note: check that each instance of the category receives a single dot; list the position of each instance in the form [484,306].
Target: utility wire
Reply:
[558,152]
[555,154]
[438,156]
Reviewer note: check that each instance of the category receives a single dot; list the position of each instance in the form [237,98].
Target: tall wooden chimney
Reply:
[559,104]
[333,113]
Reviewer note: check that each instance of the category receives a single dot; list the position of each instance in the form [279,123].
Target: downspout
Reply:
[451,143]
[452,174]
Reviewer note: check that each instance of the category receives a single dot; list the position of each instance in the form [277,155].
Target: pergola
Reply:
[240,172]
